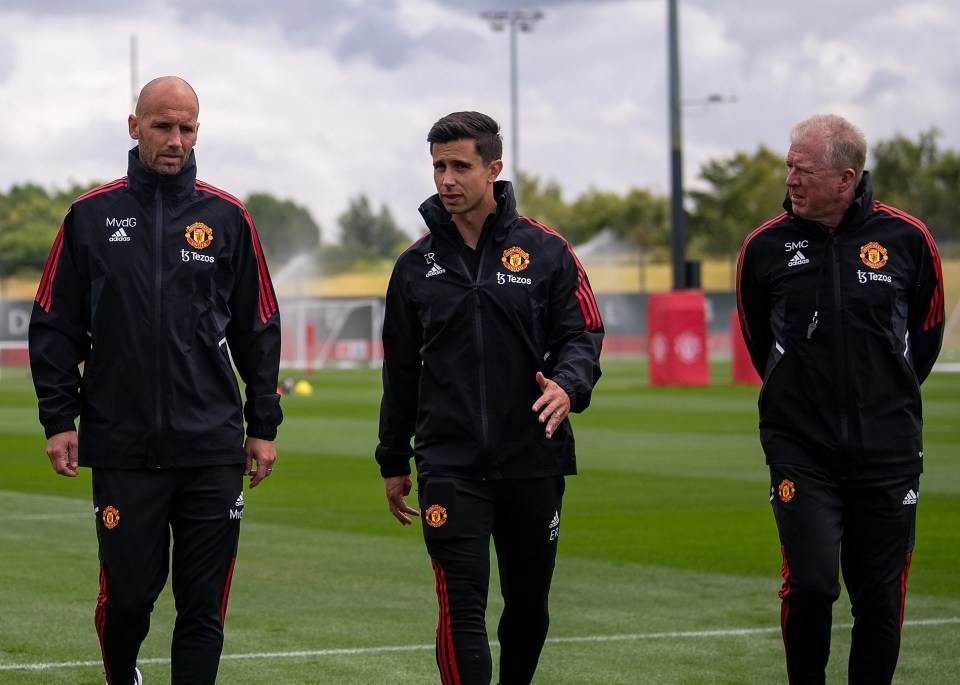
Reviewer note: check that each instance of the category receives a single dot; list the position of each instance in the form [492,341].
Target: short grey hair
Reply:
[846,146]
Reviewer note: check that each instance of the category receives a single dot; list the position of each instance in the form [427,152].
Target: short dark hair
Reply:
[480,128]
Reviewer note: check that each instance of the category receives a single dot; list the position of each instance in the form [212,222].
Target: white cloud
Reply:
[322,102]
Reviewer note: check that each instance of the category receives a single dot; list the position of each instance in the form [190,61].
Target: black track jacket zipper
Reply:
[840,358]
[157,440]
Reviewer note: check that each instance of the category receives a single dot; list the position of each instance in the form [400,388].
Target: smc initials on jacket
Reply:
[127,254]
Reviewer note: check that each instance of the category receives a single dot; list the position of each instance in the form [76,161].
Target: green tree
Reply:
[742,192]
[368,234]
[285,228]
[921,180]
[29,220]
[640,217]
[544,204]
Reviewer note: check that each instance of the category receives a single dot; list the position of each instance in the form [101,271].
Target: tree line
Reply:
[736,195]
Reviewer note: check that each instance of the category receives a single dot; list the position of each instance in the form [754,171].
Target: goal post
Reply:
[336,332]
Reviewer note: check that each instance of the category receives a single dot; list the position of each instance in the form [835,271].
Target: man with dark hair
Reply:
[491,337]
[841,306]
[150,279]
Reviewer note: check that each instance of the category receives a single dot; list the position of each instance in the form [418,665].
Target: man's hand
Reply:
[399,487]
[63,454]
[264,453]
[553,404]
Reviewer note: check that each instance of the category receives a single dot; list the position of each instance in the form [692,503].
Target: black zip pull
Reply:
[813,325]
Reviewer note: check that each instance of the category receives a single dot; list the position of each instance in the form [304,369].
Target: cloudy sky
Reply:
[321,101]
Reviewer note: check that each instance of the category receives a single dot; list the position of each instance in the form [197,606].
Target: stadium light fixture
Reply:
[515,20]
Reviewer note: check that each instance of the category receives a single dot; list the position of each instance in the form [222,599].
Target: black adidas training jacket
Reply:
[150,279]
[843,327]
[463,342]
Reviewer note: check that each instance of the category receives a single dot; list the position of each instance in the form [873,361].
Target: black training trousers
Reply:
[459,518]
[868,525]
[137,512]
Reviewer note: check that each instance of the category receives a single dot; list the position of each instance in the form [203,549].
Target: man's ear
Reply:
[496,166]
[132,126]
[847,178]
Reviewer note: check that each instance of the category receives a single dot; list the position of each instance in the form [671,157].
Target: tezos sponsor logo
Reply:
[866,276]
[188,255]
[510,278]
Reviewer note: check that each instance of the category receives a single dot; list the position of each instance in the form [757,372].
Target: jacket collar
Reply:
[438,219]
[856,213]
[146,182]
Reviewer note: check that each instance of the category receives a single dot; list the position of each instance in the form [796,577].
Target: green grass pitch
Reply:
[668,568]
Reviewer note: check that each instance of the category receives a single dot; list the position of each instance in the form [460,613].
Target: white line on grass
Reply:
[415,648]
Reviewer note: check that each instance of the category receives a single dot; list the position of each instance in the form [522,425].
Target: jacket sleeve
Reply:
[574,332]
[58,342]
[753,309]
[402,340]
[926,317]
[253,334]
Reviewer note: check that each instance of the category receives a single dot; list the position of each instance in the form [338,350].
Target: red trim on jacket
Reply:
[268,302]
[935,312]
[45,289]
[743,320]
[588,303]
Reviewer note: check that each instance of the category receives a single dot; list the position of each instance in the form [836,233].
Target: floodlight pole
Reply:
[134,73]
[524,21]
[677,229]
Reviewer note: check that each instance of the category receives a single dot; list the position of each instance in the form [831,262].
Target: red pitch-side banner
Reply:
[677,338]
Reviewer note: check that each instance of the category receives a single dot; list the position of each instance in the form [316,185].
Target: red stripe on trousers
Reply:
[446,657]
[226,593]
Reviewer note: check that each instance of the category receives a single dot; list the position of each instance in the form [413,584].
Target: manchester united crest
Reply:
[786,490]
[873,255]
[435,516]
[111,517]
[199,235]
[515,259]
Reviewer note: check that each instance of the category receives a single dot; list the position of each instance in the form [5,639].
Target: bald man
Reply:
[150,280]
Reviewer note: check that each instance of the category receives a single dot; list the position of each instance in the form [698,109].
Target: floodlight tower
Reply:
[677,230]
[521,20]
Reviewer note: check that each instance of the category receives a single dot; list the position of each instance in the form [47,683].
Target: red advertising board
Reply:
[677,338]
